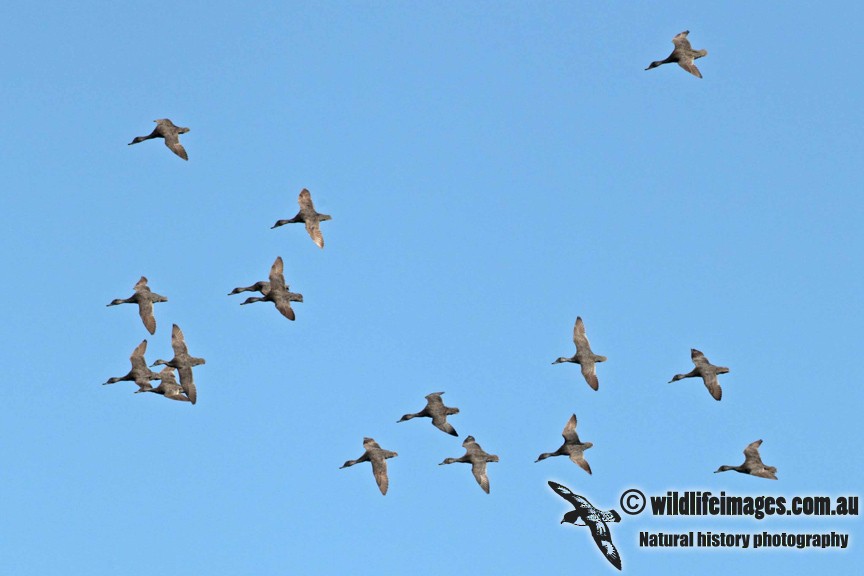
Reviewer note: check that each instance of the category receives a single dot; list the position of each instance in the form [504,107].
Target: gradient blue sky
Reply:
[494,169]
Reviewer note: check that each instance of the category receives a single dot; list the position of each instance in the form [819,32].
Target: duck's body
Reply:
[183,362]
[475,456]
[707,371]
[277,291]
[144,298]
[572,447]
[584,356]
[683,54]
[586,514]
[140,373]
[308,216]
[437,411]
[753,464]
[264,288]
[377,456]
[170,133]
[169,387]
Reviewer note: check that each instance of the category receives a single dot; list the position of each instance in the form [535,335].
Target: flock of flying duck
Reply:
[275,290]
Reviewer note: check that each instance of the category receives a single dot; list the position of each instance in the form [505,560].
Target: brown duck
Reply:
[752,464]
[308,216]
[683,54]
[584,356]
[183,362]
[475,455]
[170,133]
[277,291]
[145,299]
[169,387]
[572,447]
[377,456]
[707,371]
[140,373]
[437,411]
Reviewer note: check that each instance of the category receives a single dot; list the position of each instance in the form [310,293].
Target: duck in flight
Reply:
[572,446]
[437,411]
[475,455]
[140,373]
[170,133]
[584,356]
[707,371]
[377,456]
[275,291]
[145,299]
[308,216]
[183,362]
[752,463]
[683,54]
[586,514]
[169,387]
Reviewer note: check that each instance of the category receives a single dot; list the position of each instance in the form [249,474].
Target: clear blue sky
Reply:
[493,170]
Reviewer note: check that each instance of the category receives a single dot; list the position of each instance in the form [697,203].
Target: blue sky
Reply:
[493,170]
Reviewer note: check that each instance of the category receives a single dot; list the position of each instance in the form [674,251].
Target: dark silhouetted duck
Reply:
[183,362]
[572,446]
[584,356]
[140,373]
[475,455]
[437,411]
[169,387]
[171,133]
[378,457]
[707,371]
[752,464]
[277,291]
[145,299]
[309,216]
[586,514]
[683,54]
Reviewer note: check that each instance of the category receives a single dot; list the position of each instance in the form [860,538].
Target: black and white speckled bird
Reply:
[586,514]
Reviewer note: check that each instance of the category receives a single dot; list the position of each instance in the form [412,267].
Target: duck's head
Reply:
[573,517]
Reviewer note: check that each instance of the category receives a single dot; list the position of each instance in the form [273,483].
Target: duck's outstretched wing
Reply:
[751,455]
[589,371]
[713,386]
[277,276]
[440,422]
[379,469]
[313,227]
[145,310]
[569,432]
[688,65]
[478,469]
[178,342]
[579,459]
[680,40]
[188,384]
[172,141]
